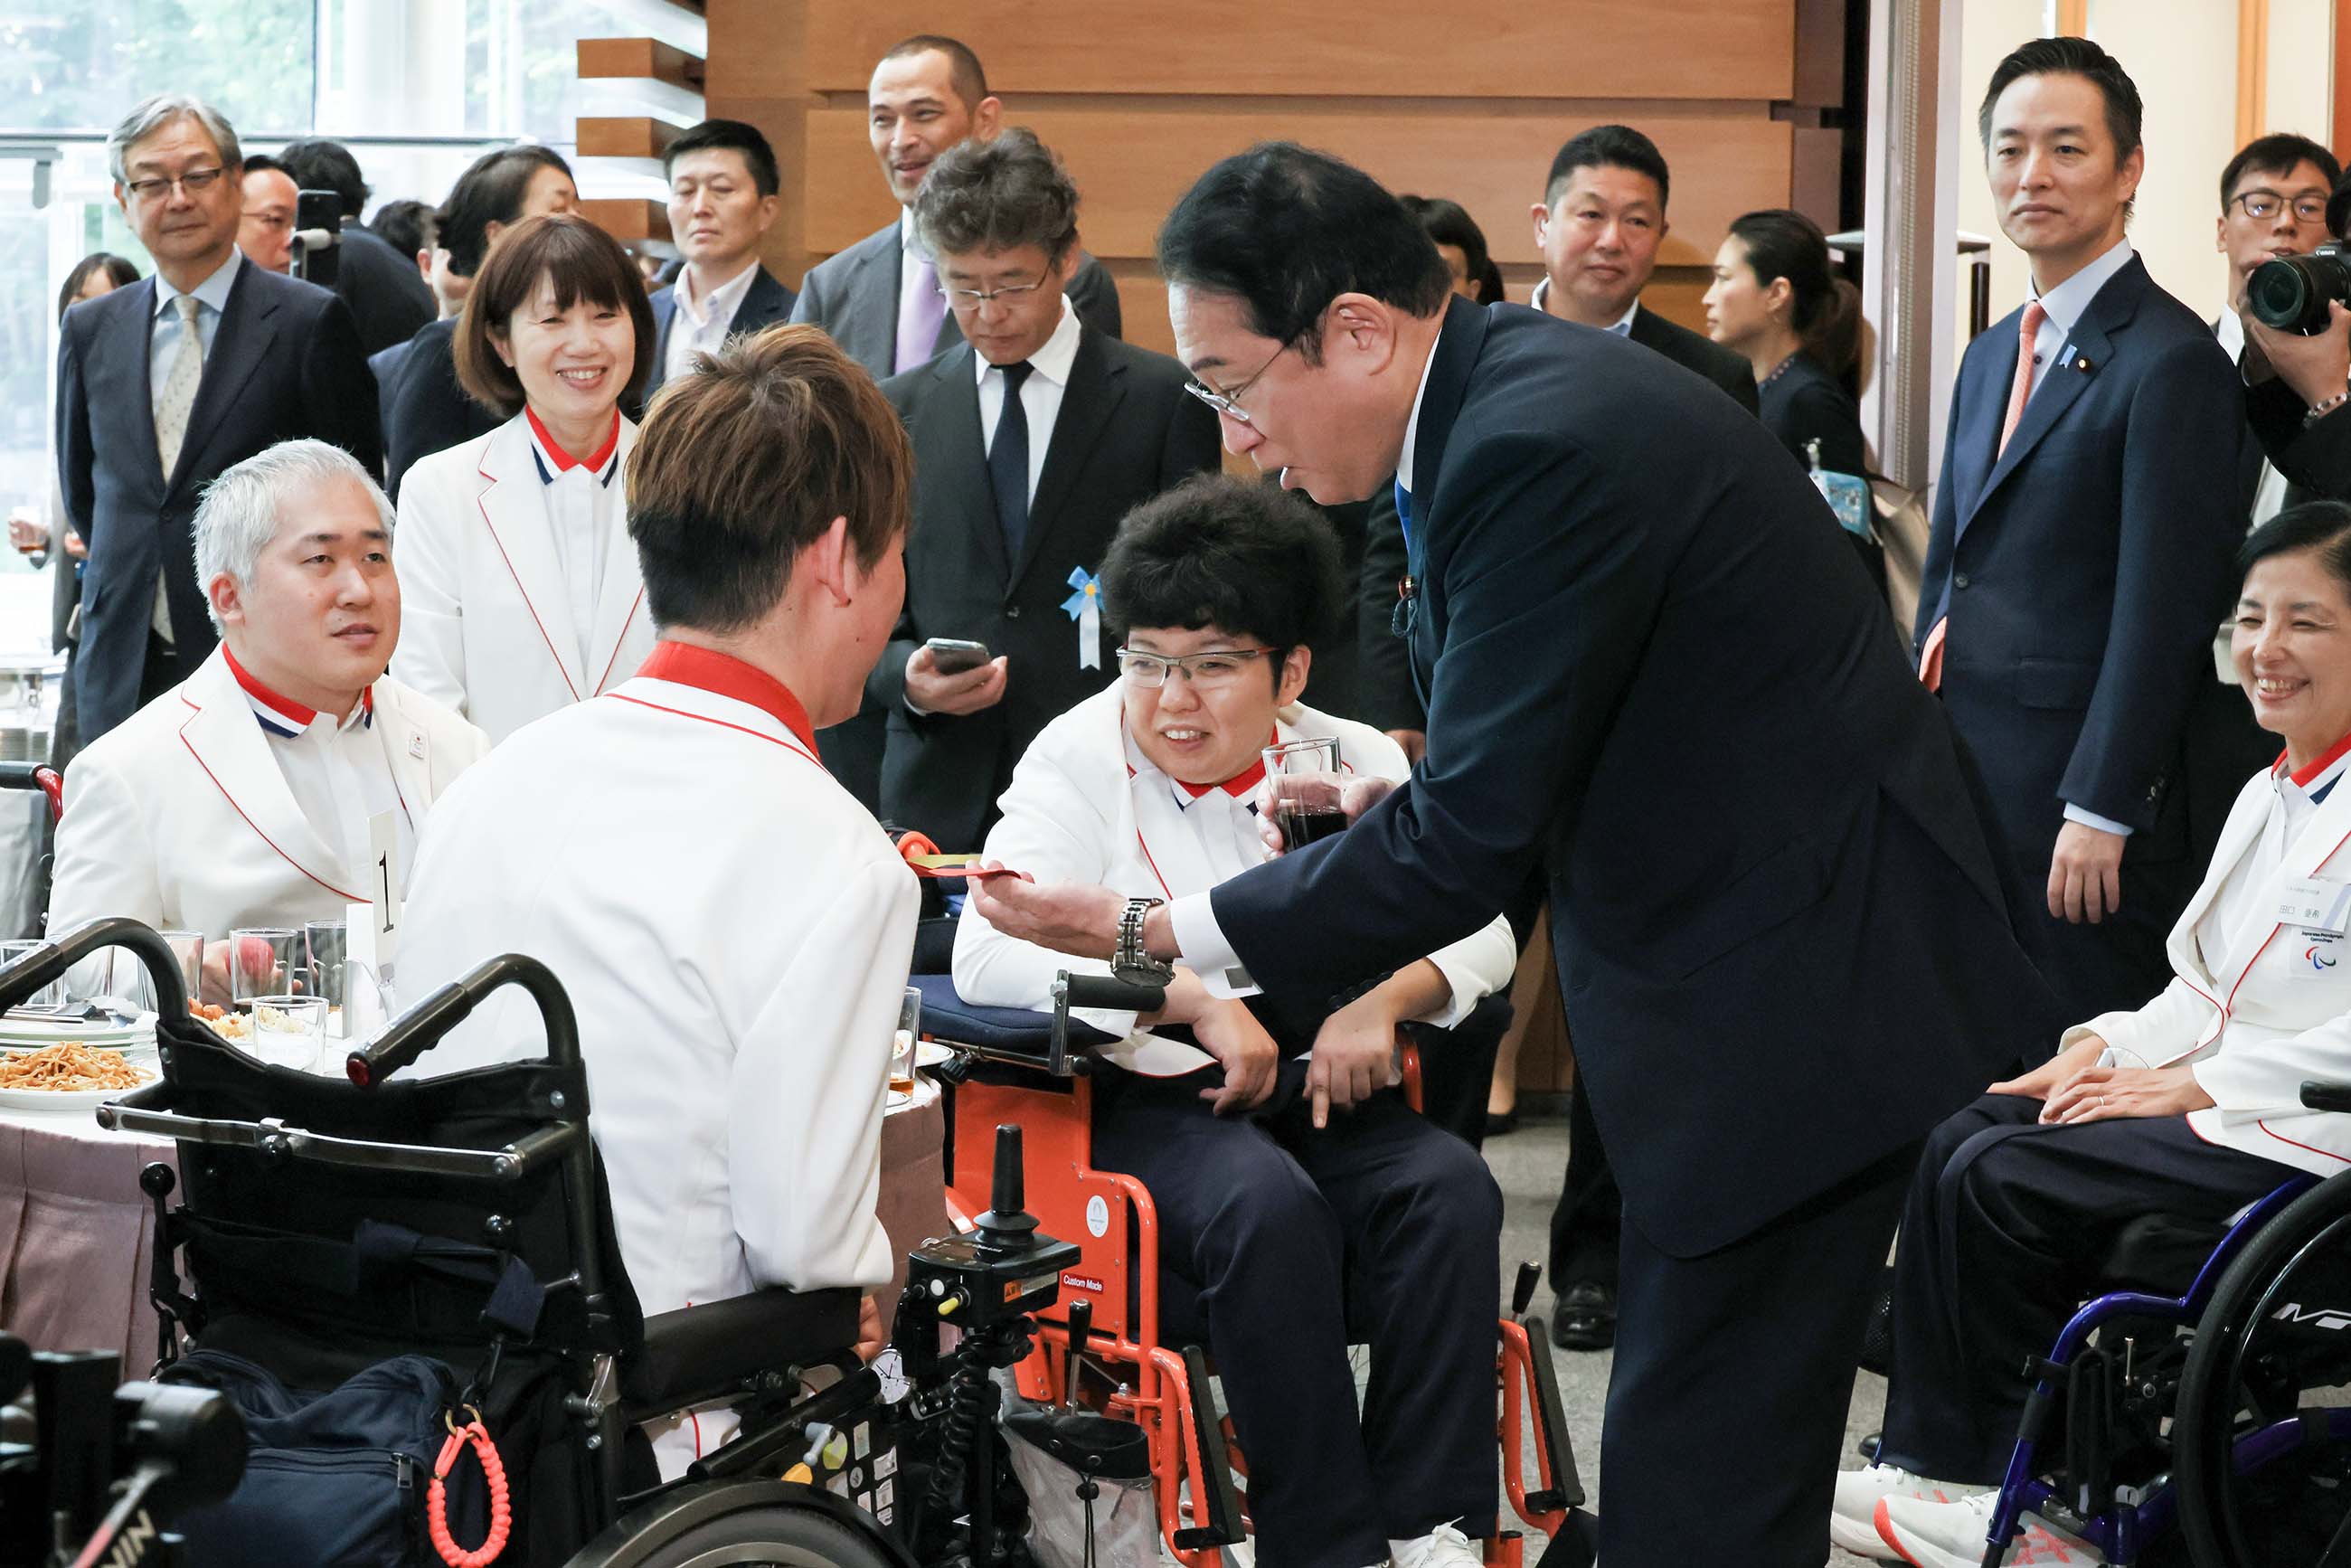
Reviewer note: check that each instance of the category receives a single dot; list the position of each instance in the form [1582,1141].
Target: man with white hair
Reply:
[254,792]
[166,382]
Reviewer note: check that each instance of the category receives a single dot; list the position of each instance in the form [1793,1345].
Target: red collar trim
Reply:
[286,707]
[1239,784]
[728,676]
[2302,776]
[563,459]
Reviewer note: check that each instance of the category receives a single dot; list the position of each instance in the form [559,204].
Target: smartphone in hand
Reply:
[954,655]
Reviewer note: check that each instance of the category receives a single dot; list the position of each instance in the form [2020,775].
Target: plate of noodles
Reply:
[70,1076]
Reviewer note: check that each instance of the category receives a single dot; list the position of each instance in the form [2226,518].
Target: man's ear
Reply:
[1539,216]
[226,598]
[829,561]
[1295,665]
[987,117]
[1363,326]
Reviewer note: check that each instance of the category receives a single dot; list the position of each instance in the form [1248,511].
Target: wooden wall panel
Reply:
[1368,48]
[1132,164]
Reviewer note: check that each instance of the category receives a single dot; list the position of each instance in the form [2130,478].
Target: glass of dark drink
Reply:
[1304,775]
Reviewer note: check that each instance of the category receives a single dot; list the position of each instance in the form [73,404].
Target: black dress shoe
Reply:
[1584,1317]
[1498,1124]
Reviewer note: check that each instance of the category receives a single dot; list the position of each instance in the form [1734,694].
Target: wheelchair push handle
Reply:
[423,1026]
[1110,992]
[44,964]
[36,776]
[2320,1095]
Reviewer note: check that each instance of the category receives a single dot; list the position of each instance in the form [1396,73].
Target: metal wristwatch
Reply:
[1131,962]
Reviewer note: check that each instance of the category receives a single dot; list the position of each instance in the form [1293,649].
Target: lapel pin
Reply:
[2083,364]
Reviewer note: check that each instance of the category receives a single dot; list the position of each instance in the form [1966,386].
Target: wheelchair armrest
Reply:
[704,1353]
[2318,1096]
[1009,1034]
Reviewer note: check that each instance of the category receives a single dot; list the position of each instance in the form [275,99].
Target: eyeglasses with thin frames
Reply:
[2260,206]
[1209,672]
[973,299]
[1228,403]
[195,182]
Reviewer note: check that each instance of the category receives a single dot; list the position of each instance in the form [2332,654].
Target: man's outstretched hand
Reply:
[1068,918]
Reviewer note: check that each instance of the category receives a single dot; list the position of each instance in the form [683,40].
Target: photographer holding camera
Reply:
[2296,357]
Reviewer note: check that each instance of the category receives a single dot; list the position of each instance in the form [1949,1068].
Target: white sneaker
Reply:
[1853,1523]
[1953,1535]
[1444,1547]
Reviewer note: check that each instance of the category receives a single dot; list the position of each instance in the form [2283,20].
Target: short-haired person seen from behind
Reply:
[1600,222]
[1032,436]
[732,926]
[163,384]
[724,195]
[1271,1199]
[1777,301]
[2079,558]
[523,591]
[265,227]
[425,408]
[389,299]
[2173,1106]
[244,794]
[1609,560]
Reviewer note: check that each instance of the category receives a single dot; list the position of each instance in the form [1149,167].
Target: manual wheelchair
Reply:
[2212,1428]
[1114,1347]
[460,1224]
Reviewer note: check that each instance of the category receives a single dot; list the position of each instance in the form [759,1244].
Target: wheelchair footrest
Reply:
[1213,1498]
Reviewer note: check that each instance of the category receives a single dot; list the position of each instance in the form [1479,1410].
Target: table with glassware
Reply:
[77,1234]
[28,706]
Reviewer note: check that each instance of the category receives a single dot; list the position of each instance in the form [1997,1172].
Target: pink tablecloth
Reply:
[77,1236]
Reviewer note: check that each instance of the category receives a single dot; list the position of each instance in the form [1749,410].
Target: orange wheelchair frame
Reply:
[1140,1378]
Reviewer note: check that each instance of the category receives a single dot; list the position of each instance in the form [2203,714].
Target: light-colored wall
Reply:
[2183,56]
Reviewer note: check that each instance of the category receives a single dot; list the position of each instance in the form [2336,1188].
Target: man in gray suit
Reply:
[880,299]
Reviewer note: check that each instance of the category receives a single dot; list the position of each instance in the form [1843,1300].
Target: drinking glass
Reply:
[287,1031]
[327,945]
[1304,775]
[188,947]
[263,961]
[902,1047]
[50,996]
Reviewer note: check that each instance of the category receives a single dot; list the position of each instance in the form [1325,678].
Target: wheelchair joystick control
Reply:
[1005,1226]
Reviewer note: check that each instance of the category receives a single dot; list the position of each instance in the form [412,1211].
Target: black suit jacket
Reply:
[854,297]
[2086,568]
[1695,351]
[1652,671]
[763,304]
[1125,432]
[1384,682]
[285,362]
[389,298]
[424,409]
[2316,459]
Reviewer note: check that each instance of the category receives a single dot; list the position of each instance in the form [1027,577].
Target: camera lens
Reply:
[2292,292]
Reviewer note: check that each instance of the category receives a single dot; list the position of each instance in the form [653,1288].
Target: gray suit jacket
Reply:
[855,297]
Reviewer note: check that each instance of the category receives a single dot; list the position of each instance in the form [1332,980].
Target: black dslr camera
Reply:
[91,1473]
[2292,292]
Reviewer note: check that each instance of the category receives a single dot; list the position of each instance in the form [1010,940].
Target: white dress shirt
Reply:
[700,327]
[163,348]
[1622,326]
[2269,496]
[584,508]
[338,774]
[1040,394]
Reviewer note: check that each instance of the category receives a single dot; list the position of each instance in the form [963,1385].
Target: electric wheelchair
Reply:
[448,1241]
[2210,1427]
[1128,1342]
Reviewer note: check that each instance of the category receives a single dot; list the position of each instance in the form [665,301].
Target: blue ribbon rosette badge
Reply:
[1084,607]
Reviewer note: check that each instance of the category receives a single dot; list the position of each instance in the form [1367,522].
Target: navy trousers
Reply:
[2007,1225]
[1379,1222]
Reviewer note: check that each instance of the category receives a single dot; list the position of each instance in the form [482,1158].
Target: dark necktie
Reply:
[1007,464]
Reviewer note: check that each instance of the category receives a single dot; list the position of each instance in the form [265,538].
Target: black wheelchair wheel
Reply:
[765,1538]
[2261,1434]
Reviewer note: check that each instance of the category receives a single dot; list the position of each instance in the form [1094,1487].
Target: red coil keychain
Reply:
[436,1498]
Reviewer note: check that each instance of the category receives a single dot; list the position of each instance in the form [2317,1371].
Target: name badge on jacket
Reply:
[2317,904]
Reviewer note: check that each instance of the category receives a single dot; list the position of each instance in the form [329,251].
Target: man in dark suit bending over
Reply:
[163,384]
[1652,672]
[1033,436]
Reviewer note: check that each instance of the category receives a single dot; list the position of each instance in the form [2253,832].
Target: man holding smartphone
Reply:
[1032,438]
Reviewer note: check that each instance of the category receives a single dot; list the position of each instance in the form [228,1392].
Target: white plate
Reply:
[21,1036]
[930,1053]
[84,1100]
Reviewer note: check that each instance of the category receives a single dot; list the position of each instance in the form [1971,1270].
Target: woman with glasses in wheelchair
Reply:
[2187,1107]
[1291,1218]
